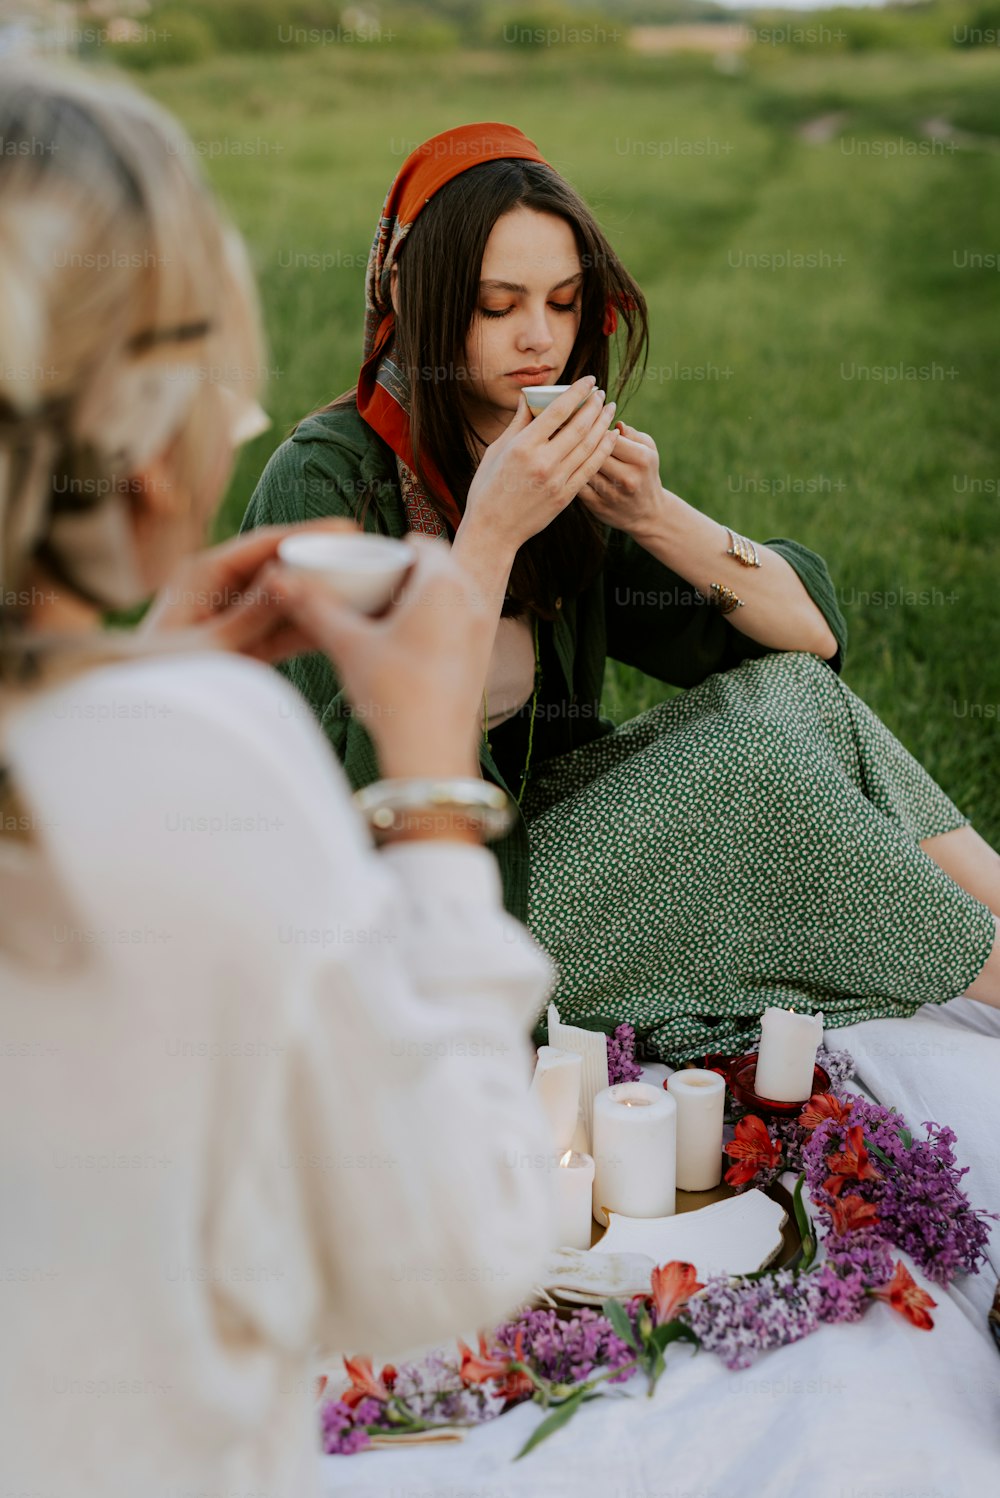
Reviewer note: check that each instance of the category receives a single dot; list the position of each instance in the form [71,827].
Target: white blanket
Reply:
[873,1410]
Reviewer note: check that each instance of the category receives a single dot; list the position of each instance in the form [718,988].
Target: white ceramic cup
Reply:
[539,397]
[362,570]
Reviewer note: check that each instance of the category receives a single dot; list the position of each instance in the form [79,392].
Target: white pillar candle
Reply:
[556,1083]
[574,1196]
[592,1046]
[787,1058]
[635,1151]
[701,1099]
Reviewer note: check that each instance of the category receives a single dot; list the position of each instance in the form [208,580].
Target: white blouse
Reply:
[261,1088]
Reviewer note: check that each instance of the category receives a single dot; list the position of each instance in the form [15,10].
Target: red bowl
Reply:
[740,1076]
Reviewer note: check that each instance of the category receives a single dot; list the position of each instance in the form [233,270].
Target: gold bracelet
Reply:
[743,549]
[722,598]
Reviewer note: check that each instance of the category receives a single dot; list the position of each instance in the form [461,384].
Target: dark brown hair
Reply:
[439,269]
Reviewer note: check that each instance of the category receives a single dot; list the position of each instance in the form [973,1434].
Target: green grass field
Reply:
[770,390]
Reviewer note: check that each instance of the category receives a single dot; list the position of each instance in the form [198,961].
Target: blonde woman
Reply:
[263,1086]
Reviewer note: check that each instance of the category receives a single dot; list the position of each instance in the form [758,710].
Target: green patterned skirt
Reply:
[752,841]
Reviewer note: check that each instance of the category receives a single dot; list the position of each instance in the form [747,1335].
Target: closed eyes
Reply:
[556,307]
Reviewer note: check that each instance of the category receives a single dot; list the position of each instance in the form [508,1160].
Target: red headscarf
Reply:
[383,390]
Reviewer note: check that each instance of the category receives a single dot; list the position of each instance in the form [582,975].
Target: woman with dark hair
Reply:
[760,838]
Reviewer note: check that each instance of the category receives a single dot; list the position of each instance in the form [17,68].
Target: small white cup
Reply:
[540,397]
[362,570]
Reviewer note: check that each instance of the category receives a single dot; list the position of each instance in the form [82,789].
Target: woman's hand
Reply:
[626,492]
[215,595]
[413,675]
[538,466]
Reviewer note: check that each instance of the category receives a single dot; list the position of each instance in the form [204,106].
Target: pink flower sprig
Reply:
[622,1065]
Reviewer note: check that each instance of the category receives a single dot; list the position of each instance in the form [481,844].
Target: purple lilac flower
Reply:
[434,1393]
[370,1412]
[622,1065]
[922,1208]
[338,1432]
[566,1352]
[854,1264]
[738,1320]
[838,1065]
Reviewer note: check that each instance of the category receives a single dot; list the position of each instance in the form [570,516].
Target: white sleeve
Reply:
[442,1172]
[401,1136]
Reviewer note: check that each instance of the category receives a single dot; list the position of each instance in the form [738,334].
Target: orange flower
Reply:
[851,1213]
[851,1164]
[905,1296]
[820,1107]
[479,1370]
[513,1384]
[364,1384]
[754,1147]
[673,1285]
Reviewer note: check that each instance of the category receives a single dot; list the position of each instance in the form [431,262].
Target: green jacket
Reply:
[636,611]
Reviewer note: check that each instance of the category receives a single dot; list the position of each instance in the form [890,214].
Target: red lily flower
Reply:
[820,1107]
[479,1370]
[754,1148]
[364,1384]
[852,1213]
[673,1285]
[851,1163]
[513,1384]
[905,1296]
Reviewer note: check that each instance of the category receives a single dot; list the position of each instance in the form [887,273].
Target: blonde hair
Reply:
[127,313]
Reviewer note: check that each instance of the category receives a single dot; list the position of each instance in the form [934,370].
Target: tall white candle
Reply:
[574,1184]
[592,1045]
[787,1058]
[556,1083]
[635,1151]
[701,1099]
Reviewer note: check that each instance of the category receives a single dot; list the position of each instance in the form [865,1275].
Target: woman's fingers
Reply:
[630,458]
[593,441]
[431,588]
[564,409]
[309,603]
[563,445]
[642,439]
[628,450]
[519,422]
[242,557]
[247,624]
[592,464]
[213,582]
[602,426]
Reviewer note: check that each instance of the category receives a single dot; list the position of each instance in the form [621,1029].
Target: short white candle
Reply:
[701,1100]
[556,1083]
[574,1190]
[635,1151]
[787,1058]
